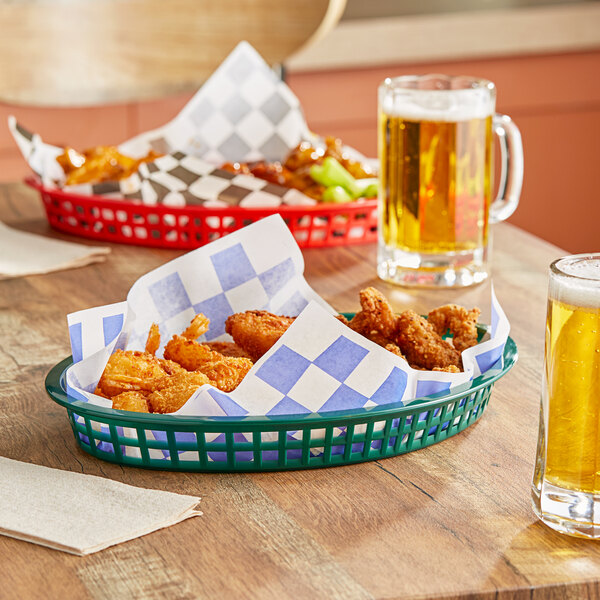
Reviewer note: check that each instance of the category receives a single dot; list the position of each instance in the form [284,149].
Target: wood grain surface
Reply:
[449,521]
[74,53]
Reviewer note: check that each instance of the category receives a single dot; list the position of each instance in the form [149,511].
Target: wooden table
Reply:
[453,520]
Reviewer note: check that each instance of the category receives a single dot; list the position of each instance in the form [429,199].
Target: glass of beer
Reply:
[566,482]
[435,150]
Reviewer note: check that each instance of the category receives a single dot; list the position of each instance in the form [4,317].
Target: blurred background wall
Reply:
[544,57]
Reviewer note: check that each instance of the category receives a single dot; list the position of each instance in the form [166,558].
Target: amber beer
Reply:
[435,151]
[568,466]
[436,183]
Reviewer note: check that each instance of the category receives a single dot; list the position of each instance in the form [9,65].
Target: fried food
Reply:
[422,345]
[197,327]
[295,170]
[256,331]
[177,391]
[227,349]
[133,401]
[461,322]
[153,340]
[102,163]
[225,372]
[131,372]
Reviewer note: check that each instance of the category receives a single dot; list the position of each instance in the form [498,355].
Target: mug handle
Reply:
[511,175]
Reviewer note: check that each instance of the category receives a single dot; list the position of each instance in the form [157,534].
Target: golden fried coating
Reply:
[197,327]
[188,353]
[170,367]
[128,371]
[133,401]
[363,323]
[422,345]
[177,391]
[227,349]
[377,311]
[394,350]
[256,331]
[448,369]
[153,340]
[225,372]
[461,322]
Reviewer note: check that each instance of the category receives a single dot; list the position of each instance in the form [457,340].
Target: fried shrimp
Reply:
[461,322]
[227,349]
[133,401]
[225,372]
[131,372]
[422,345]
[176,392]
[153,340]
[256,331]
[197,327]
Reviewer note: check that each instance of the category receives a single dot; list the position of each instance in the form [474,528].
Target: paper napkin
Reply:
[23,253]
[81,514]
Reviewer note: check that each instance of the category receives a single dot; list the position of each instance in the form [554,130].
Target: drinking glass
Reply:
[566,481]
[435,150]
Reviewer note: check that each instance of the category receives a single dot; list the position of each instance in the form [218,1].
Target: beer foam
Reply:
[576,280]
[439,105]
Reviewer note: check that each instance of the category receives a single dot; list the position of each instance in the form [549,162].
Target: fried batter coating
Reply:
[227,349]
[170,367]
[460,321]
[153,340]
[177,391]
[128,371]
[225,372]
[448,369]
[393,348]
[378,312]
[256,331]
[197,327]
[133,401]
[363,323]
[422,345]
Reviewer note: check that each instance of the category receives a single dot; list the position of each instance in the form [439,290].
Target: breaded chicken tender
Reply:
[177,391]
[461,322]
[133,401]
[128,371]
[256,331]
[422,345]
[377,311]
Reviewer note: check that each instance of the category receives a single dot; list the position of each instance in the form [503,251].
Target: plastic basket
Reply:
[187,227]
[184,443]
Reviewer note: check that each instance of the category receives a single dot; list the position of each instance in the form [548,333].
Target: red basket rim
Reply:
[35,182]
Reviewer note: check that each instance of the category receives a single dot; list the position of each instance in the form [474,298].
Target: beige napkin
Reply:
[24,253]
[80,513]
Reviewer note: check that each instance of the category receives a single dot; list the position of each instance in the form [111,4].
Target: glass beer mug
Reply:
[435,150]
[566,482]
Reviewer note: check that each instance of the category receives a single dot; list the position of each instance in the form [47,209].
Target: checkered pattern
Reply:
[303,373]
[244,112]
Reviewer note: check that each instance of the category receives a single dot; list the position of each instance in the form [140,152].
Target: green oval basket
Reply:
[185,443]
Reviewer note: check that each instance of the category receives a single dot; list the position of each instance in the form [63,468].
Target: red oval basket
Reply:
[188,227]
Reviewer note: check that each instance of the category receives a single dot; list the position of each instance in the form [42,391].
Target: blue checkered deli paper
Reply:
[318,365]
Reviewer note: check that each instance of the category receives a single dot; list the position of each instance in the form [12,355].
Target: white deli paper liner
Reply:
[243,113]
[318,365]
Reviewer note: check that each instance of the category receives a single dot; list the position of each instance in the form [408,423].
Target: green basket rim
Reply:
[54,384]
